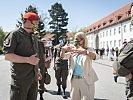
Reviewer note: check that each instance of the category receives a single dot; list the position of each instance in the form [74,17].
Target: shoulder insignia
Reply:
[7,42]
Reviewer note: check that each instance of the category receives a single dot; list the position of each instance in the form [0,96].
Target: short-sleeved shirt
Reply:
[23,44]
[41,53]
[58,61]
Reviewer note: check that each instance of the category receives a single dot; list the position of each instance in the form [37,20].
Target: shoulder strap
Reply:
[69,62]
[35,45]
[55,53]
[54,57]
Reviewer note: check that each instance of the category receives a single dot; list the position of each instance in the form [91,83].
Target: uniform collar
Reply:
[25,32]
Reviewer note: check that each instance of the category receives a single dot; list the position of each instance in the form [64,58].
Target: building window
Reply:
[103,34]
[114,43]
[131,28]
[92,44]
[131,39]
[114,31]
[110,32]
[103,44]
[111,43]
[119,43]
[119,30]
[107,43]
[91,37]
[128,13]
[124,28]
[124,41]
[100,44]
[106,33]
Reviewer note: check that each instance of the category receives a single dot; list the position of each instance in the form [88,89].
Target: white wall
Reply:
[114,39]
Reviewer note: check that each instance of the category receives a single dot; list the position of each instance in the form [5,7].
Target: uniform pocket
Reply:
[15,92]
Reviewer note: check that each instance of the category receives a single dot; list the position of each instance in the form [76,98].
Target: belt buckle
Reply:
[74,76]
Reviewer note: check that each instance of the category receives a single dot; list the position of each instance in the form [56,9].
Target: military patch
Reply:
[7,42]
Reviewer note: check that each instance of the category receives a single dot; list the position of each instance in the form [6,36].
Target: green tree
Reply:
[58,21]
[2,35]
[41,26]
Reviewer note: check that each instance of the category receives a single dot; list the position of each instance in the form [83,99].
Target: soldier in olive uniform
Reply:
[129,78]
[41,64]
[20,48]
[61,67]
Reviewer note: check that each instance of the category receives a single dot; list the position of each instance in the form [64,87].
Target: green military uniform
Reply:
[24,77]
[129,89]
[41,64]
[61,69]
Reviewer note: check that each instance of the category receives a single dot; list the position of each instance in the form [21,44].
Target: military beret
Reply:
[132,4]
[30,16]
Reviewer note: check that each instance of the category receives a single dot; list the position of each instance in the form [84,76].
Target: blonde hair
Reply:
[82,35]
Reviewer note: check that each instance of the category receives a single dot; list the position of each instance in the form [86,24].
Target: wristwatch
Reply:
[87,52]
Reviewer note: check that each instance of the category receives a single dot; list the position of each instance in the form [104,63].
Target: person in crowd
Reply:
[116,52]
[47,58]
[41,64]
[103,50]
[107,50]
[124,43]
[97,51]
[20,48]
[101,53]
[111,54]
[81,73]
[60,67]
[129,77]
[112,51]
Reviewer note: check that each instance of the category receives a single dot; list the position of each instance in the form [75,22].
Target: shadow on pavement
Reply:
[68,94]
[100,99]
[55,93]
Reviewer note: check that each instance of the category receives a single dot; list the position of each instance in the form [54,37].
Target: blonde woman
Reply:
[81,73]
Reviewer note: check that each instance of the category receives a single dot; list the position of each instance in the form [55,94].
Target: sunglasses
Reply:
[36,33]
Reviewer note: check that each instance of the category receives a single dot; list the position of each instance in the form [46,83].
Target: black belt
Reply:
[75,76]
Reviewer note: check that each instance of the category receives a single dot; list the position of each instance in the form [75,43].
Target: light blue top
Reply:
[77,69]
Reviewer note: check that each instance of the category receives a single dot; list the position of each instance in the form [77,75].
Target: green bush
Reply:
[1,52]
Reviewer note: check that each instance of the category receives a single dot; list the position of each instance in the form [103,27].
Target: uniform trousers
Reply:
[43,71]
[24,90]
[61,77]
[80,90]
[129,89]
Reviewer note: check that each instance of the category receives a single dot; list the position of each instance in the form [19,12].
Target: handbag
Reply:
[47,64]
[47,78]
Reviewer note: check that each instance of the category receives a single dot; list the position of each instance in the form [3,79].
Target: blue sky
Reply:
[81,13]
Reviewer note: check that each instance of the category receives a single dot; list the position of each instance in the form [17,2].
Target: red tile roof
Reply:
[115,17]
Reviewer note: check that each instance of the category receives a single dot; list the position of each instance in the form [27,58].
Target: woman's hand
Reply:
[67,48]
[80,51]
[72,49]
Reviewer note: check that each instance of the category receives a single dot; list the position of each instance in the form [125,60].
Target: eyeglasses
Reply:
[35,23]
[36,33]
[78,39]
